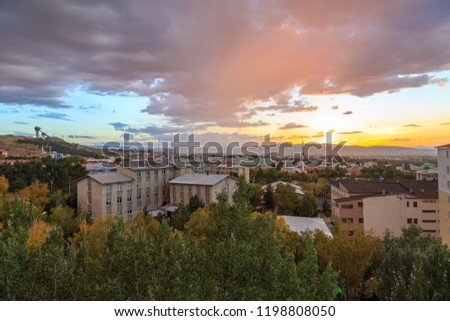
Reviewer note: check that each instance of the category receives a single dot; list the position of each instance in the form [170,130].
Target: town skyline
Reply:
[373,74]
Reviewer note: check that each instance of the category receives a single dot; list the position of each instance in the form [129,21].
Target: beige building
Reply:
[378,206]
[444,192]
[206,187]
[127,192]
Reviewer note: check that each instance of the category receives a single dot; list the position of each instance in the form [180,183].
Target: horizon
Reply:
[374,74]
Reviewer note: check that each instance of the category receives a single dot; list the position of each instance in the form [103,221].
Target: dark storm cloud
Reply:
[213,56]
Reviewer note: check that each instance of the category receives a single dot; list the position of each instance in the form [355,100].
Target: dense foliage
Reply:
[59,174]
[48,251]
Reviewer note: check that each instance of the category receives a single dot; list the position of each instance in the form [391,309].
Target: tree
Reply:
[268,198]
[195,203]
[246,192]
[4,185]
[198,223]
[414,266]
[350,255]
[326,208]
[307,206]
[37,194]
[285,199]
[37,235]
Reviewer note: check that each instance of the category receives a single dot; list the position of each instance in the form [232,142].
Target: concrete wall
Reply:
[353,217]
[393,211]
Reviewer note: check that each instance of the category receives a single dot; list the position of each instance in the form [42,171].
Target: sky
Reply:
[371,72]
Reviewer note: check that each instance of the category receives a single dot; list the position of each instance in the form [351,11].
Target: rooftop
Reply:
[110,178]
[371,187]
[302,224]
[199,179]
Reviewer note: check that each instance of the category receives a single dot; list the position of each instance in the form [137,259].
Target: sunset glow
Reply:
[373,73]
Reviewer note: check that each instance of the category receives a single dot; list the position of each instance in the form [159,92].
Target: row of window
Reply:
[147,172]
[119,199]
[108,188]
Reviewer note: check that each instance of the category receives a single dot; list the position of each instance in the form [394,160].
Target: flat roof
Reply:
[110,178]
[302,224]
[199,179]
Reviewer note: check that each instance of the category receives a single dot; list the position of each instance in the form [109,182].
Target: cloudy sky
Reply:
[373,72]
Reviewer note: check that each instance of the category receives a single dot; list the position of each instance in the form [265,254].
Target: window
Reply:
[350,220]
[130,211]
[129,186]
[428,211]
[89,202]
[156,183]
[119,187]
[147,196]
[156,194]
[409,221]
[119,200]
[429,231]
[448,184]
[414,204]
[361,220]
[360,204]
[344,220]
[119,211]
[129,199]
[428,221]
[147,184]
[108,202]
[138,197]
[147,173]
[448,169]
[138,184]
[108,188]
[138,174]
[198,189]
[155,172]
[89,188]
[415,221]
[407,204]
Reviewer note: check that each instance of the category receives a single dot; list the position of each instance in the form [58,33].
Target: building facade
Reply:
[444,192]
[380,206]
[127,192]
[206,187]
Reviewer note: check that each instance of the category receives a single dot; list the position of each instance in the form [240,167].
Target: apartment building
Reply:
[206,187]
[444,192]
[378,206]
[128,191]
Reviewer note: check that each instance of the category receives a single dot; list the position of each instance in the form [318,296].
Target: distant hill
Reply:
[22,146]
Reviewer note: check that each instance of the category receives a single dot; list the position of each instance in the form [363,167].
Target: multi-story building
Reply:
[206,187]
[127,192]
[378,206]
[444,192]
